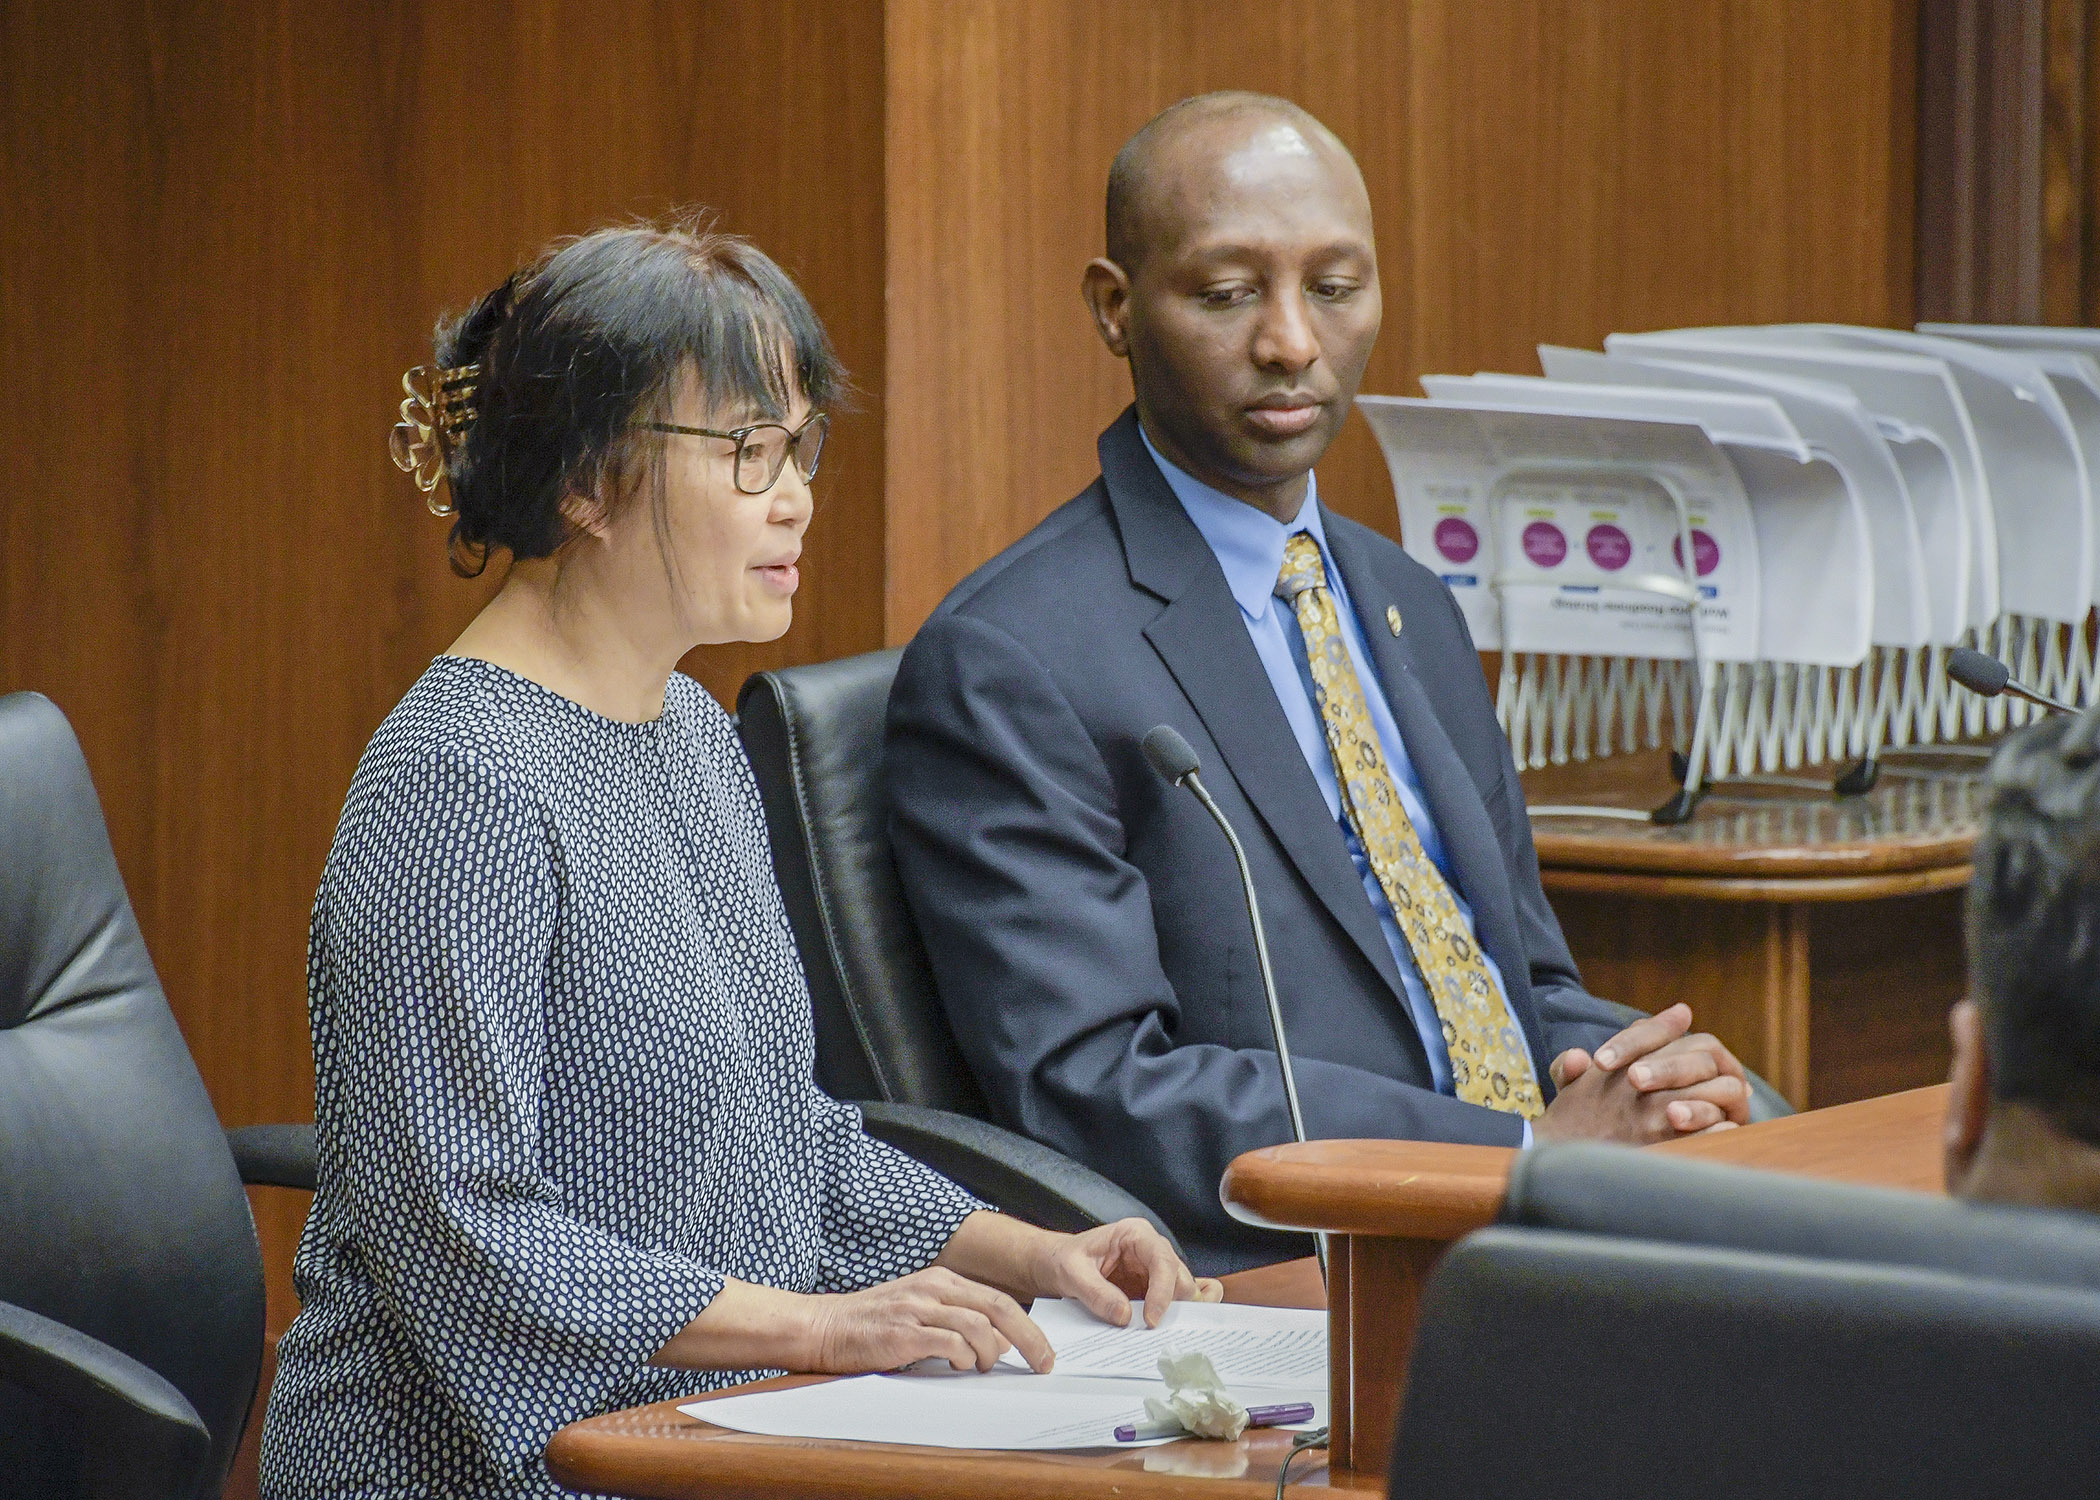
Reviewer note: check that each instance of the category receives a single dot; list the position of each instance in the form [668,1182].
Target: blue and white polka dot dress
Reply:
[562,1054]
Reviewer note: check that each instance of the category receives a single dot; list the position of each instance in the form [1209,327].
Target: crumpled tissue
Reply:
[1196,1398]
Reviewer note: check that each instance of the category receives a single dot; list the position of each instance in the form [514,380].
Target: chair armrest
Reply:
[1011,1172]
[274,1155]
[140,1437]
[1766,1102]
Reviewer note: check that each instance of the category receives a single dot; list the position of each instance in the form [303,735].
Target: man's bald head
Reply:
[1241,283]
[1194,135]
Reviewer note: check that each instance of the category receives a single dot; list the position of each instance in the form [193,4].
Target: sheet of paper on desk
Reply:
[1000,1410]
[1249,1346]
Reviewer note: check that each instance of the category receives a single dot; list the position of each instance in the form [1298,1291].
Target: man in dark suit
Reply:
[1085,920]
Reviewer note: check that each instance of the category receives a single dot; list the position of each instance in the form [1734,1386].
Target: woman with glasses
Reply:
[571,1154]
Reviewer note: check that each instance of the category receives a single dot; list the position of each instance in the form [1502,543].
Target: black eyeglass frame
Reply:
[741,436]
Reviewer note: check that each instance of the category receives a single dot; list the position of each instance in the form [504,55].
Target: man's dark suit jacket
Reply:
[1085,920]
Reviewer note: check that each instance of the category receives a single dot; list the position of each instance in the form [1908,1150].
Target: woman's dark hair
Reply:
[590,341]
[2034,922]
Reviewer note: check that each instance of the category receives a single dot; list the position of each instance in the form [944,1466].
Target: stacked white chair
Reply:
[1756,545]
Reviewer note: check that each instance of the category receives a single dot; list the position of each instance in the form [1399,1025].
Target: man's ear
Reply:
[1107,293]
[1968,1093]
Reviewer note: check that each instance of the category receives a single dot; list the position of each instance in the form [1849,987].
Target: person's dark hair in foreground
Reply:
[572,1155]
[2023,1121]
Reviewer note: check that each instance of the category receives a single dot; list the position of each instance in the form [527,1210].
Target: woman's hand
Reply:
[955,1310]
[1105,1268]
[931,1314]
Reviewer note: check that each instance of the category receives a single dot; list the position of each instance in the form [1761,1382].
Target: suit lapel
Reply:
[1202,639]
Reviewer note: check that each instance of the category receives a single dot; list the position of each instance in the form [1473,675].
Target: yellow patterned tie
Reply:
[1490,1063]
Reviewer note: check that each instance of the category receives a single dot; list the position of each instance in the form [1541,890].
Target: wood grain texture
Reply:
[1892,1141]
[1540,170]
[1882,979]
[1916,824]
[227,231]
[1387,1277]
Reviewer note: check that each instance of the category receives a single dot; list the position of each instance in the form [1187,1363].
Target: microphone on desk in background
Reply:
[1175,763]
[1987,677]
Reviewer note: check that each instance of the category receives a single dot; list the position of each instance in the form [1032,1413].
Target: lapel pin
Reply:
[1392,618]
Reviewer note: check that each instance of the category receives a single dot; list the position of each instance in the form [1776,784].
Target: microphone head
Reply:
[1169,754]
[1980,674]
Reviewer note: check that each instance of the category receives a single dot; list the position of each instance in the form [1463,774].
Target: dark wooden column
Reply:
[2004,208]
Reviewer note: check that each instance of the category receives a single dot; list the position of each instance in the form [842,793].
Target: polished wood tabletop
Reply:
[1433,1191]
[1914,820]
[659,1453]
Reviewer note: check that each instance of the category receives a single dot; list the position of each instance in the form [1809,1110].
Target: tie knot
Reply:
[1302,568]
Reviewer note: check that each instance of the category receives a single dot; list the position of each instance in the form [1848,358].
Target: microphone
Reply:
[1175,763]
[1987,677]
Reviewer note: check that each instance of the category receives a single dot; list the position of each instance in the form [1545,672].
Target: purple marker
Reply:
[1257,1416]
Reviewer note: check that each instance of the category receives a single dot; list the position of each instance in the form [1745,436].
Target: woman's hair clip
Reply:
[435,416]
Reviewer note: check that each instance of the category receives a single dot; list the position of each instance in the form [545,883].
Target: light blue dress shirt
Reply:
[1249,545]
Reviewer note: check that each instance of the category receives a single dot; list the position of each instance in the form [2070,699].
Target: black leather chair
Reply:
[1643,1195]
[131,1292]
[814,735]
[1568,1365]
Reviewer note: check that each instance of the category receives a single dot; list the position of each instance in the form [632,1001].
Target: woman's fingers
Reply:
[1166,1278]
[1087,1280]
[1003,1315]
[984,1342]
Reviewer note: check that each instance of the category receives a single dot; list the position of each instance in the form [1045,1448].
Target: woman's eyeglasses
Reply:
[762,449]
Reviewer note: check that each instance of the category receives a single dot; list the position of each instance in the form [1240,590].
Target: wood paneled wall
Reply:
[226,231]
[1540,170]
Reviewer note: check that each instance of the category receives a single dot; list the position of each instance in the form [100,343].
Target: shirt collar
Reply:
[1248,542]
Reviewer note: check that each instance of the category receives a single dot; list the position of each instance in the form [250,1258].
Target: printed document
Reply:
[1267,1356]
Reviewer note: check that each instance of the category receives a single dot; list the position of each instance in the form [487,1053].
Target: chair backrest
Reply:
[121,1214]
[1617,1191]
[814,735]
[1577,1366]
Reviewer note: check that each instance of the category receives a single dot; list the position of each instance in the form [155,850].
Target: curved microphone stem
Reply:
[2013,689]
[1268,977]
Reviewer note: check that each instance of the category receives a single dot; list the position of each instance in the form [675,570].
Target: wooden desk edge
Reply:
[1561,850]
[1433,1191]
[1819,888]
[658,1453]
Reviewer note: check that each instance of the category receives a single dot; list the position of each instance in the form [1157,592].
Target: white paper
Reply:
[1079,1405]
[1251,1347]
[1001,1410]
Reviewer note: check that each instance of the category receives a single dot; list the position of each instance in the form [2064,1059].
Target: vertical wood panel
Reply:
[1540,169]
[226,231]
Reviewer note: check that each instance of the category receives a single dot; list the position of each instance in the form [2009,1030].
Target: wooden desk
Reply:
[659,1453]
[1819,937]
[1394,1207]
